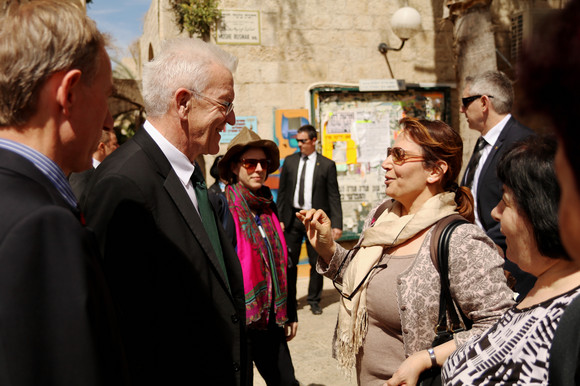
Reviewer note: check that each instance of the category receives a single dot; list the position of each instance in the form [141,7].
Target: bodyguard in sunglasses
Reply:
[486,102]
[270,317]
[307,180]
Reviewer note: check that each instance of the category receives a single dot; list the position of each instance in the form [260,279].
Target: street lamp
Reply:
[405,23]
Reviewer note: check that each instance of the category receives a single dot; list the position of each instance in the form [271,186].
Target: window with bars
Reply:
[517,34]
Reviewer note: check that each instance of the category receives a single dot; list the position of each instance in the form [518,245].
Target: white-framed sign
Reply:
[239,27]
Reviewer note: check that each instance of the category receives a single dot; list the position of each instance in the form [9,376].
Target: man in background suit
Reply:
[107,144]
[172,270]
[57,322]
[308,180]
[486,102]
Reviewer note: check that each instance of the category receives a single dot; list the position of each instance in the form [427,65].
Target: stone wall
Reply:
[306,42]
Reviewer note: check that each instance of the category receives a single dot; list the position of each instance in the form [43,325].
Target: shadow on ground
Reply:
[329,296]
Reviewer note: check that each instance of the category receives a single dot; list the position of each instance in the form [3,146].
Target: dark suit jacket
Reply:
[325,194]
[489,188]
[181,322]
[78,181]
[57,322]
[489,192]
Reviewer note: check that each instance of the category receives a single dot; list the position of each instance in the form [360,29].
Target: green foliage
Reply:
[196,16]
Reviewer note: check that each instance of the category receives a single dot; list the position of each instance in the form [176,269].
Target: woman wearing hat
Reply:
[261,248]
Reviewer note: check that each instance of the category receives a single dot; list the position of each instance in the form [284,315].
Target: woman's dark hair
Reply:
[440,142]
[213,171]
[527,169]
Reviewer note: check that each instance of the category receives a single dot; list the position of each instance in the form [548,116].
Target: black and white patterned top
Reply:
[515,351]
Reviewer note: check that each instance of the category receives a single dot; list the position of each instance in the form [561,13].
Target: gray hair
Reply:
[496,84]
[182,62]
[37,39]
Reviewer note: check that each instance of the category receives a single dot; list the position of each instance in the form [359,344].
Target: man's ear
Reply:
[183,102]
[67,88]
[486,103]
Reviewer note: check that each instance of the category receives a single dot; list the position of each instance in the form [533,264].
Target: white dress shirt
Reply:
[179,162]
[308,181]
[490,138]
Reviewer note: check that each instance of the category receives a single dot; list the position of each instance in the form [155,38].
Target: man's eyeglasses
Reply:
[467,100]
[250,164]
[400,156]
[303,140]
[228,106]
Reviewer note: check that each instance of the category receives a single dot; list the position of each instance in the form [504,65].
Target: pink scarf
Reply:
[263,263]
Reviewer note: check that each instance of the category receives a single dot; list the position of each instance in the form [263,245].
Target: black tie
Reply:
[207,216]
[301,188]
[474,161]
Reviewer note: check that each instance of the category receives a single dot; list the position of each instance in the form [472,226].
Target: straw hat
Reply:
[245,139]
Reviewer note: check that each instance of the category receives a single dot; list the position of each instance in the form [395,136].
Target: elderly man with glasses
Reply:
[171,267]
[486,102]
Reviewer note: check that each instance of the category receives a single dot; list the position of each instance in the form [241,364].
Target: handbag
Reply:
[440,257]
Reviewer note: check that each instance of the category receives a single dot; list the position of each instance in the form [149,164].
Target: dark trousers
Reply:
[295,233]
[270,353]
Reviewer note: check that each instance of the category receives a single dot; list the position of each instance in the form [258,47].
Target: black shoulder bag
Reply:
[440,257]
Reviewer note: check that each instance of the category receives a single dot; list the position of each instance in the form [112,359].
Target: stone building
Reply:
[305,44]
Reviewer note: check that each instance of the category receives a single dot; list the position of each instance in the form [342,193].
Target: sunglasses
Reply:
[467,100]
[250,164]
[228,106]
[400,156]
[303,140]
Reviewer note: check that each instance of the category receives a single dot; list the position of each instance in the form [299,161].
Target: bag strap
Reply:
[440,239]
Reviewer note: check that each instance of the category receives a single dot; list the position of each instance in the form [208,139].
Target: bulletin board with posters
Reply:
[355,130]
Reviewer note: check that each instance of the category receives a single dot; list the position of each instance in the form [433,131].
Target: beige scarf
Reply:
[390,229]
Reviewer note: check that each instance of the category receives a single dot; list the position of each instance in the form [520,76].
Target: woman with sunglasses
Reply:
[390,287]
[261,248]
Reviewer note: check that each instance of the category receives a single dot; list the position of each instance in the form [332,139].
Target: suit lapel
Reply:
[293,167]
[181,199]
[494,151]
[316,173]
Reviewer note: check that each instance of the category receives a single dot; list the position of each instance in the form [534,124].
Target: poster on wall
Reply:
[356,130]
[287,124]
[231,131]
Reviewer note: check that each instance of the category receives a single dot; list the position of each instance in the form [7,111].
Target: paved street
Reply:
[311,349]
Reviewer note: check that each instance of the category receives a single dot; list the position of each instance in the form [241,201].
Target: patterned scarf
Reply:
[263,262]
[389,230]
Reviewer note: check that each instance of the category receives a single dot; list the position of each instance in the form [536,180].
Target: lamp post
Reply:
[405,23]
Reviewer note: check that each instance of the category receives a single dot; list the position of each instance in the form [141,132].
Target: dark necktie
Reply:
[302,176]
[207,216]
[474,161]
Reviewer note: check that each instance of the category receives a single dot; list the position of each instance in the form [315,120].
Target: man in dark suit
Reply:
[57,322]
[486,102]
[171,268]
[107,144]
[308,180]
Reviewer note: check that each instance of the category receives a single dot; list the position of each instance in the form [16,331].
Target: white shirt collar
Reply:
[96,163]
[311,157]
[179,162]
[493,134]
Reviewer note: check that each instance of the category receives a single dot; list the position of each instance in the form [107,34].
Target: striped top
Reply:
[47,166]
[515,351]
